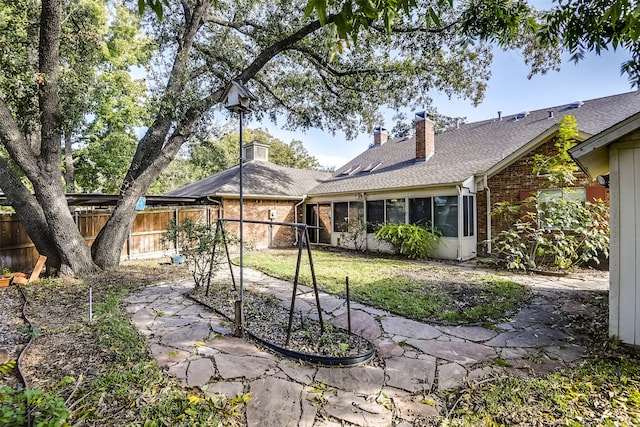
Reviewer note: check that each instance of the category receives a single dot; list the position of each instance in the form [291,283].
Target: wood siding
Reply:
[624,296]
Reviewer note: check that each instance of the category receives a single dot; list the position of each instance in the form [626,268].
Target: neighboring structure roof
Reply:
[471,148]
[592,155]
[259,179]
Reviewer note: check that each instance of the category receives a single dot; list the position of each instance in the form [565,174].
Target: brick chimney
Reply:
[380,136]
[425,137]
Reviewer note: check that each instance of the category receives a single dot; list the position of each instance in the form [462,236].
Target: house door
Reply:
[311,218]
[469,238]
[319,215]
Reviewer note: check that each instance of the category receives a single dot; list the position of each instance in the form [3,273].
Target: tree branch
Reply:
[282,45]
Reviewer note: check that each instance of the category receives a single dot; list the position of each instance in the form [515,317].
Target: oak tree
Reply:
[286,57]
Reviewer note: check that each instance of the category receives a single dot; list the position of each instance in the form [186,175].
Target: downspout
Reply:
[460,216]
[295,216]
[485,185]
[209,199]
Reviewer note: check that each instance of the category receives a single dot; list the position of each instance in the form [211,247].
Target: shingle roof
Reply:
[475,147]
[259,178]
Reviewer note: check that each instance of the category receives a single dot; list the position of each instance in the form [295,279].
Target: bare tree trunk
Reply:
[68,164]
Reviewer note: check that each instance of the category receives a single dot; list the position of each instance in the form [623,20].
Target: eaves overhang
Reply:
[593,154]
[388,189]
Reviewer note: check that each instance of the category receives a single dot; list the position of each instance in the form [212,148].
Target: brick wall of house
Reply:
[262,236]
[517,182]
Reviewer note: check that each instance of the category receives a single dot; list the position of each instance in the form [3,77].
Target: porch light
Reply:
[237,99]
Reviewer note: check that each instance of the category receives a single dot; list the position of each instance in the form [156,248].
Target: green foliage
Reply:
[571,234]
[180,172]
[7,367]
[177,409]
[560,168]
[116,104]
[561,231]
[356,233]
[33,406]
[603,392]
[414,241]
[201,244]
[583,26]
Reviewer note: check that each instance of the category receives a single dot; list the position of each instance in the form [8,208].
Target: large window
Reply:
[356,216]
[395,211]
[558,208]
[375,214]
[420,211]
[445,215]
[340,216]
[347,216]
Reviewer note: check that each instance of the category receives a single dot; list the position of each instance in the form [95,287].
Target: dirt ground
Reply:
[63,346]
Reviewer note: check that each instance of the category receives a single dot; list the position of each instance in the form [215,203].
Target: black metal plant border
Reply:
[302,231]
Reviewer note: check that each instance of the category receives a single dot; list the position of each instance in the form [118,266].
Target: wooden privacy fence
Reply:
[17,252]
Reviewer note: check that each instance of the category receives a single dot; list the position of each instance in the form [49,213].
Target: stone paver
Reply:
[464,353]
[186,337]
[386,348]
[359,379]
[416,360]
[411,374]
[362,324]
[199,372]
[250,367]
[409,328]
[357,410]
[278,403]
[450,375]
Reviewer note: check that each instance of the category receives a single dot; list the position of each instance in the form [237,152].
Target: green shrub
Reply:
[569,234]
[414,241]
[32,406]
[201,244]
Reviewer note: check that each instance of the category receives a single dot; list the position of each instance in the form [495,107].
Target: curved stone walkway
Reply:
[416,362]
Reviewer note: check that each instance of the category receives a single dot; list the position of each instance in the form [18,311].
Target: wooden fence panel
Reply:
[18,253]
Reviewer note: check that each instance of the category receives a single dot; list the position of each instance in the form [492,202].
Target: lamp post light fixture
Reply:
[237,99]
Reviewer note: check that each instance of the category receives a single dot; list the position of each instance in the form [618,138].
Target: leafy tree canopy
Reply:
[280,51]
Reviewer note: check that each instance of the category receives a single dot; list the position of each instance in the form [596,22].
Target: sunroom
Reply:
[350,221]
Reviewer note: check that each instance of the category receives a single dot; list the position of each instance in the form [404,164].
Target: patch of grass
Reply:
[501,297]
[604,392]
[411,289]
[135,380]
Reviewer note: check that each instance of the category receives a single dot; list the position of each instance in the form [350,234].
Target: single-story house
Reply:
[271,193]
[449,179]
[613,157]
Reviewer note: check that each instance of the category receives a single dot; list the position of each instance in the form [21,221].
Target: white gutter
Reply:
[217,203]
[460,216]
[295,214]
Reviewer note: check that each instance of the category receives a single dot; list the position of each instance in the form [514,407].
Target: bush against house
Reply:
[414,241]
[557,226]
[568,235]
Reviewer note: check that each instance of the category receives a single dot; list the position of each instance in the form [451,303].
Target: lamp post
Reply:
[237,100]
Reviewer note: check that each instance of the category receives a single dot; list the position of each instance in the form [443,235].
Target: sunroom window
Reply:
[557,208]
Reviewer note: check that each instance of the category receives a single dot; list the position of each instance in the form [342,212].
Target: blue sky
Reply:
[508,91]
